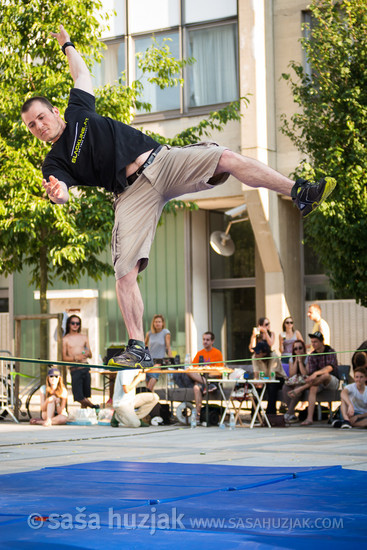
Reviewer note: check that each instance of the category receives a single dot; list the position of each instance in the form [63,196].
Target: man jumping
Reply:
[89,149]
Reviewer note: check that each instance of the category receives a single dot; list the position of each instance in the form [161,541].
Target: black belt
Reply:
[130,180]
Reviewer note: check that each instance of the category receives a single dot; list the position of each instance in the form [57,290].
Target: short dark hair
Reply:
[28,103]
[360,359]
[362,370]
[211,334]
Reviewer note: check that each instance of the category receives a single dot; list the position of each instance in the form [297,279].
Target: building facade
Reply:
[241,49]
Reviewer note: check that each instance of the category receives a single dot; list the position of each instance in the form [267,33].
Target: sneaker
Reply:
[238,393]
[156,421]
[336,424]
[345,425]
[135,356]
[308,195]
[114,422]
[289,418]
[211,388]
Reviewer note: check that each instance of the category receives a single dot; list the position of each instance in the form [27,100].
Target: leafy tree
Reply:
[331,130]
[62,241]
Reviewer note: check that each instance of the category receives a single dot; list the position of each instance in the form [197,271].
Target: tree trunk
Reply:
[43,305]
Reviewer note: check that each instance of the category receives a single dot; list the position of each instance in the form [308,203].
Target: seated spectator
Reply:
[130,408]
[211,357]
[323,374]
[287,339]
[76,349]
[262,333]
[354,402]
[53,401]
[297,376]
[158,340]
[264,360]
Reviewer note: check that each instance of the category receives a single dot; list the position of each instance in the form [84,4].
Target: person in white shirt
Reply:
[129,407]
[354,401]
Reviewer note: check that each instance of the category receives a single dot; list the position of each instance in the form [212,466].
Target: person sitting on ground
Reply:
[53,401]
[158,340]
[287,339]
[264,360]
[208,356]
[354,402]
[262,333]
[298,373]
[76,349]
[320,325]
[323,374]
[131,408]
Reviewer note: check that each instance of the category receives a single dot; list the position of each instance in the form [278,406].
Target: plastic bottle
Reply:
[187,360]
[232,423]
[193,419]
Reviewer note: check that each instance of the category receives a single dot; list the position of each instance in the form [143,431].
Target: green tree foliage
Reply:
[331,130]
[63,241]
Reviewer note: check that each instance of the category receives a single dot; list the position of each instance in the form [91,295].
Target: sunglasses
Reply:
[298,349]
[289,322]
[75,323]
[54,376]
[266,324]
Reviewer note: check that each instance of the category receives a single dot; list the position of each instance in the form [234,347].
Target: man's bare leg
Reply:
[131,303]
[132,308]
[253,173]
[306,195]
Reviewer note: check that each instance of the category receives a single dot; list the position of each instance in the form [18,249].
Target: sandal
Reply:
[306,423]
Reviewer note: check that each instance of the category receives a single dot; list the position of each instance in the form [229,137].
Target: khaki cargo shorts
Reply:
[174,172]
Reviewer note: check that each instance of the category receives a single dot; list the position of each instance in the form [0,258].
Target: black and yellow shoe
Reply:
[308,196]
[135,356]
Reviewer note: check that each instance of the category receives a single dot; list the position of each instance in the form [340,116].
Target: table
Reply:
[205,371]
[257,397]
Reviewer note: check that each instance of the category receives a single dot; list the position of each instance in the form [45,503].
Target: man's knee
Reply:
[227,160]
[129,279]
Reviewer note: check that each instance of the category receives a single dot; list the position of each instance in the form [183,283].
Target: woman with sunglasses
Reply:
[53,401]
[262,333]
[287,339]
[298,371]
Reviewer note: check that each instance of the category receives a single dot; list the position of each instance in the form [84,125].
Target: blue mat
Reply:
[183,506]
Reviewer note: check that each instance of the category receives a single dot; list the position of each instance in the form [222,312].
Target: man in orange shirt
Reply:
[209,356]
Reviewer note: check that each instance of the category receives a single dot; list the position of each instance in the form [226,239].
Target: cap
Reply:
[53,371]
[317,335]
[262,347]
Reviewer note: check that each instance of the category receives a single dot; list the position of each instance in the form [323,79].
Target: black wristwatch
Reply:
[65,46]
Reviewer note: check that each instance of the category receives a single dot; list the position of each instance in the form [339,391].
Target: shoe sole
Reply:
[330,185]
[111,363]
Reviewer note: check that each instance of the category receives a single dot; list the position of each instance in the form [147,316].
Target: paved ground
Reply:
[24,447]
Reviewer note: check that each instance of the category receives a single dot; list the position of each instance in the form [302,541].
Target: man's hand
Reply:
[56,190]
[350,410]
[61,36]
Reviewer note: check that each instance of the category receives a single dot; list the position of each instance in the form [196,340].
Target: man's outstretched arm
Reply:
[78,69]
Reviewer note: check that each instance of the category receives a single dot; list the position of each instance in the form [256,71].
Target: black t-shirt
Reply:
[94,150]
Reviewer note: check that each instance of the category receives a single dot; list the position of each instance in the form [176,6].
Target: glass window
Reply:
[4,305]
[213,78]
[242,263]
[233,316]
[112,64]
[145,15]
[168,98]
[207,10]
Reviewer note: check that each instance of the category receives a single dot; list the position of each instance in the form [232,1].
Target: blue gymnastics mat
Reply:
[138,505]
